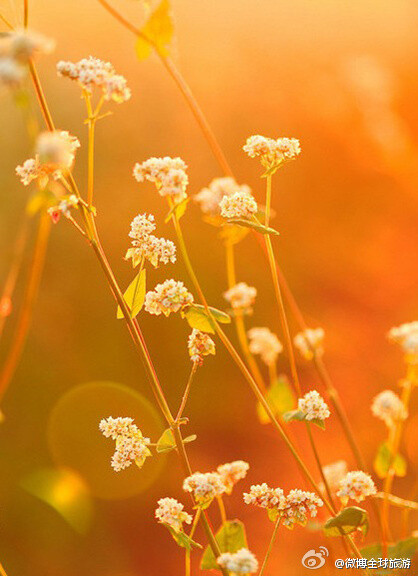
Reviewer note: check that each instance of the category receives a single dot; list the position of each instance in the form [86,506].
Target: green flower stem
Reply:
[186,392]
[270,547]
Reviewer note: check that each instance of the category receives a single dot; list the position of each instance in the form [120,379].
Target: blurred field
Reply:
[342,77]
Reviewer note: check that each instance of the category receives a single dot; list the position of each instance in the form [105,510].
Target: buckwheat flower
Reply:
[265,497]
[272,153]
[131,446]
[56,150]
[232,472]
[210,197]
[389,407]
[146,245]
[298,507]
[168,174]
[63,208]
[29,171]
[241,297]
[334,473]
[11,72]
[357,486]
[142,226]
[313,406]
[406,336]
[240,205]
[241,562]
[171,513]
[204,487]
[310,342]
[170,296]
[21,45]
[264,343]
[200,345]
[92,73]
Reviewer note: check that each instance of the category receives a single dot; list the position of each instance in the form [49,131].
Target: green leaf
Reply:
[297,415]
[166,443]
[134,295]
[254,226]
[182,539]
[157,33]
[190,438]
[347,521]
[198,318]
[178,210]
[280,398]
[230,537]
[402,549]
[383,462]
[232,234]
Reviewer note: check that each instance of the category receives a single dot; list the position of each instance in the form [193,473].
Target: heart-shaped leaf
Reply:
[157,33]
[384,461]
[280,398]
[231,537]
[198,318]
[347,521]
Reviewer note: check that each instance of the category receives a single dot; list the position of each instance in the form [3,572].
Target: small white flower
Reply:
[389,407]
[272,153]
[299,504]
[406,336]
[170,296]
[265,343]
[310,341]
[171,513]
[232,472]
[131,446]
[210,197]
[356,486]
[146,245]
[200,345]
[204,487]
[265,497]
[238,205]
[313,406]
[241,562]
[241,297]
[168,174]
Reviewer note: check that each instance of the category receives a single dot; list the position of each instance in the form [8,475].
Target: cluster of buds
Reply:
[209,198]
[266,344]
[310,342]
[204,487]
[406,336]
[200,345]
[389,407]
[146,246]
[168,174]
[240,205]
[63,208]
[92,73]
[232,472]
[131,446]
[170,296]
[241,297]
[272,153]
[313,406]
[239,563]
[171,513]
[356,486]
[54,157]
[17,48]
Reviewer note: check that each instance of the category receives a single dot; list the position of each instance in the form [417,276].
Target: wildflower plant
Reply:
[235,209]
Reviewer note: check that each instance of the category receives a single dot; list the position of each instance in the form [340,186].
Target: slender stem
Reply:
[5,21]
[222,511]
[398,502]
[41,97]
[23,323]
[6,306]
[91,121]
[394,443]
[270,547]
[2,570]
[239,320]
[186,392]
[319,464]
[25,13]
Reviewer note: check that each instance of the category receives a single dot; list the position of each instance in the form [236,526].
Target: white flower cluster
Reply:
[299,505]
[241,297]
[200,345]
[265,497]
[310,342]
[17,48]
[210,197]
[240,204]
[168,174]
[241,562]
[170,296]
[356,485]
[171,512]
[204,487]
[232,472]
[406,336]
[272,153]
[92,73]
[146,245]
[55,153]
[264,343]
[131,446]
[313,406]
[389,407]
[63,208]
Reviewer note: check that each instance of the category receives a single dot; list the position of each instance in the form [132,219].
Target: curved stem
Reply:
[29,299]
[270,547]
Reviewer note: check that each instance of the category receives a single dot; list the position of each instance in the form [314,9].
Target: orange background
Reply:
[341,76]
